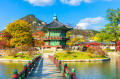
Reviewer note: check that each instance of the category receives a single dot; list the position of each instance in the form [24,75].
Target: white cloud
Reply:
[41,2]
[78,2]
[89,23]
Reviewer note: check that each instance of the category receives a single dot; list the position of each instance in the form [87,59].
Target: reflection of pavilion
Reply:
[55,34]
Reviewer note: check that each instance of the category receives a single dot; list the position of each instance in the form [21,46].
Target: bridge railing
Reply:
[23,74]
[63,69]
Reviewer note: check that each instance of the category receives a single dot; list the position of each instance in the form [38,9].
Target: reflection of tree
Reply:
[6,69]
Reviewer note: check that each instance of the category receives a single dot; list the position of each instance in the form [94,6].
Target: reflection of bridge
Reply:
[43,67]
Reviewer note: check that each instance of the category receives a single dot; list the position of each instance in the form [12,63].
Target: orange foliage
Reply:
[37,38]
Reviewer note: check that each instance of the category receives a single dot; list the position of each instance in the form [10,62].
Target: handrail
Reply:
[63,69]
[23,74]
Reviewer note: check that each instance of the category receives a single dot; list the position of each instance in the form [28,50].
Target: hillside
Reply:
[36,23]
[86,33]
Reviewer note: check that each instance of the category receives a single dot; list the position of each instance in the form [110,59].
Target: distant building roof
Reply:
[107,43]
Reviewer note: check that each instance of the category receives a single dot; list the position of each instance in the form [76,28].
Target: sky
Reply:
[80,14]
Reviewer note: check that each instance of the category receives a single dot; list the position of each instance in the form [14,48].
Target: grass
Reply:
[18,57]
[75,55]
[48,51]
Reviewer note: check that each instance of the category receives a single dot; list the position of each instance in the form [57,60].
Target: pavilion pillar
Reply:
[49,33]
[59,42]
[59,34]
[49,42]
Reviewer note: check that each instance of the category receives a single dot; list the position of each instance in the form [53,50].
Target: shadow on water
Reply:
[97,70]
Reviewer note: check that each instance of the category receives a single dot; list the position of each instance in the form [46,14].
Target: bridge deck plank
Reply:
[45,69]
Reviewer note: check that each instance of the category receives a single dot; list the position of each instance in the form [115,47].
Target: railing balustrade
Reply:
[23,74]
[63,69]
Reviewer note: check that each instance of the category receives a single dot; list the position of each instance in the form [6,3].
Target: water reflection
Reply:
[6,69]
[97,70]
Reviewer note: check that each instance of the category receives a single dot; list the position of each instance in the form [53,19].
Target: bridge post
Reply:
[15,74]
[56,62]
[25,67]
[73,73]
[29,62]
[65,66]
[59,65]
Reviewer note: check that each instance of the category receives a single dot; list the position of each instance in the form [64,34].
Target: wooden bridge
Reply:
[44,68]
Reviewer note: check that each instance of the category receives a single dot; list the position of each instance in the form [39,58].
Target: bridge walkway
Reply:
[45,69]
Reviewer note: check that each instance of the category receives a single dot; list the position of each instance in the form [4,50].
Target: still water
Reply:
[84,70]
[97,70]
[6,69]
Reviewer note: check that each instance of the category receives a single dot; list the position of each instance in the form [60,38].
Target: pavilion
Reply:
[55,34]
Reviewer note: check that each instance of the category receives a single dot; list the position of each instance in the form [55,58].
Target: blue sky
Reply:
[82,14]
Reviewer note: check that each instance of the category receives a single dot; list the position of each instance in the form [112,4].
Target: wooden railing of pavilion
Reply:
[27,69]
[63,69]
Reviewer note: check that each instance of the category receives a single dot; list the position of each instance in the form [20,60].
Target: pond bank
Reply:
[12,60]
[86,60]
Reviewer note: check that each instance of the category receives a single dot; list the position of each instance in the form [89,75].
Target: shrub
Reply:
[90,55]
[99,51]
[80,48]
[65,54]
[74,55]
[11,52]
[90,49]
[68,51]
[107,49]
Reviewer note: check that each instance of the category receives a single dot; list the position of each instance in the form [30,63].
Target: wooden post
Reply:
[15,74]
[73,73]
[29,62]
[56,62]
[59,64]
[65,66]
[25,67]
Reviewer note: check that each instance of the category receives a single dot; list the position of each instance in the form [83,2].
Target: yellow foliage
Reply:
[96,38]
[20,32]
[68,34]
[75,39]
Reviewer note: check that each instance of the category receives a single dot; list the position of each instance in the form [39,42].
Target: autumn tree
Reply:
[4,39]
[37,38]
[74,39]
[112,29]
[20,33]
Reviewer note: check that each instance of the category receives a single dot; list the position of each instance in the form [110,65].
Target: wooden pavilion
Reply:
[55,34]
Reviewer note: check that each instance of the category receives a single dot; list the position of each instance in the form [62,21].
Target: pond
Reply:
[97,70]
[6,69]
[84,70]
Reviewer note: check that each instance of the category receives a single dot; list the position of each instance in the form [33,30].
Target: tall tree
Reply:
[112,29]
[74,39]
[20,33]
[37,38]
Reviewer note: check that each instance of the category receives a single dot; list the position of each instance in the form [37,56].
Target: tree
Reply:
[37,38]
[74,39]
[5,35]
[20,33]
[112,29]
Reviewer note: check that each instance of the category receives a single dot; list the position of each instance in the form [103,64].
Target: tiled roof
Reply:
[56,24]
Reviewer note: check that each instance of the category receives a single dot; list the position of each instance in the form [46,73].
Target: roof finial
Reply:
[55,17]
